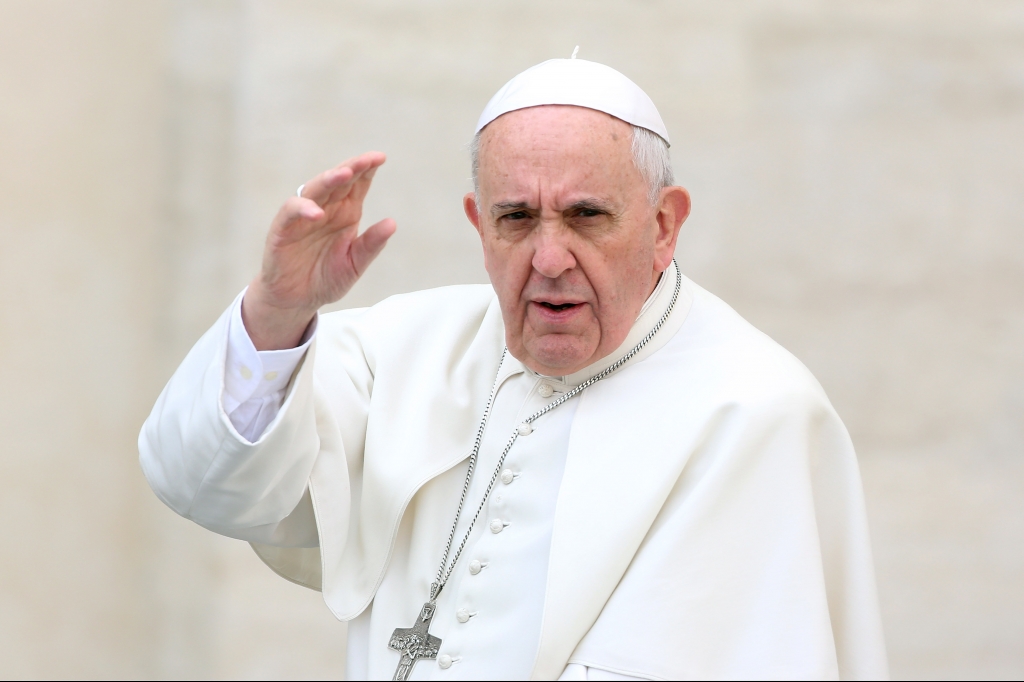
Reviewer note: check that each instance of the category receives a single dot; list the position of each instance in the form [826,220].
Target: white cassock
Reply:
[697,514]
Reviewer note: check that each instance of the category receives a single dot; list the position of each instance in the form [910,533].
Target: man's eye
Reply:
[518,215]
[589,213]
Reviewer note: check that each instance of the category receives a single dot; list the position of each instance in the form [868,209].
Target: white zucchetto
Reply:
[580,83]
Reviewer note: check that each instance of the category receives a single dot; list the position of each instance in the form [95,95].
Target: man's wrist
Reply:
[273,328]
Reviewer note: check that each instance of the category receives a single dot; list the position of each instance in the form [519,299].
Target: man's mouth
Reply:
[557,306]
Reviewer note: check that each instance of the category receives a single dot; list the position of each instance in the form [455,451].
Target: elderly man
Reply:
[592,469]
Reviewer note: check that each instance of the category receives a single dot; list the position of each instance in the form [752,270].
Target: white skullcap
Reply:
[580,83]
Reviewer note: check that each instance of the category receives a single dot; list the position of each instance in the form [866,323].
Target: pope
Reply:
[590,469]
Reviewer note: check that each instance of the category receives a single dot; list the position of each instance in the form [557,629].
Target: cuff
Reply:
[250,374]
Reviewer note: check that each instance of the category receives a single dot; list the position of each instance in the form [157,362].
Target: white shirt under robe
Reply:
[491,615]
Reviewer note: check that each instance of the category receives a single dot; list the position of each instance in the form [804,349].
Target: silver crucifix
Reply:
[415,643]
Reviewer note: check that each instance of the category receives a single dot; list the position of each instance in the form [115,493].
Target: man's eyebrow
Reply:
[504,206]
[590,204]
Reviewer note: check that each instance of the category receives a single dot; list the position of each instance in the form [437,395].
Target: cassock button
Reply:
[444,661]
[545,391]
[507,476]
[526,428]
[497,525]
[462,615]
[475,567]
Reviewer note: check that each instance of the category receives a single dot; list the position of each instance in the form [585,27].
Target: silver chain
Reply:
[444,572]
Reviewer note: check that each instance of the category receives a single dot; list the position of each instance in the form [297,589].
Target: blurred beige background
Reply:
[857,171]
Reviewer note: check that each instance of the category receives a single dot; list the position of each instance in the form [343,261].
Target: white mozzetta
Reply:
[708,520]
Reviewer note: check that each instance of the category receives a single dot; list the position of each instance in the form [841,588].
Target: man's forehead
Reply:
[559,144]
[555,177]
[553,120]
[560,158]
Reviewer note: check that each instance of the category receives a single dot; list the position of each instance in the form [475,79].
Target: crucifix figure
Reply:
[415,643]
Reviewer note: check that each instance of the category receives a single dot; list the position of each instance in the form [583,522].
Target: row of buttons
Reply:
[545,391]
[498,525]
[507,476]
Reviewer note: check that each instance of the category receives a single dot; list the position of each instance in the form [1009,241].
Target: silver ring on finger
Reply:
[298,192]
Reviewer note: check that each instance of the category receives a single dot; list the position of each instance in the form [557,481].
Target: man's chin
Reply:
[558,354]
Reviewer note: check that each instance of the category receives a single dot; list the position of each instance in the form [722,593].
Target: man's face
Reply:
[571,241]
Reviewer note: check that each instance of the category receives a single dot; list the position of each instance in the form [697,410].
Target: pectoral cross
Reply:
[415,643]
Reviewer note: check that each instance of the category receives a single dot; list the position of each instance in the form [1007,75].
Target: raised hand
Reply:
[314,253]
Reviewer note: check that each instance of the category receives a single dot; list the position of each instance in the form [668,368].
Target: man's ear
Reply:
[673,209]
[472,211]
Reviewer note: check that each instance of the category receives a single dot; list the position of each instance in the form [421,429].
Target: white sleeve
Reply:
[255,382]
[201,467]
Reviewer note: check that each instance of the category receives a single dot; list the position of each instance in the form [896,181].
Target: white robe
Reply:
[703,503]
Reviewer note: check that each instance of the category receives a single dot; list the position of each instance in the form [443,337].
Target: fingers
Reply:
[369,244]
[304,208]
[295,210]
[339,181]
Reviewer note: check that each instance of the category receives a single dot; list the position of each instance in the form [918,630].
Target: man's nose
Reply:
[552,256]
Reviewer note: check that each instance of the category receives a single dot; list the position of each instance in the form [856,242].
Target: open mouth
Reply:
[557,306]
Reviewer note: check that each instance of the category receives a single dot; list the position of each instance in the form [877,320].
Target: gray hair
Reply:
[650,154]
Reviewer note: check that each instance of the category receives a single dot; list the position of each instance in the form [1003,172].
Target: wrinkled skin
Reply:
[571,241]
